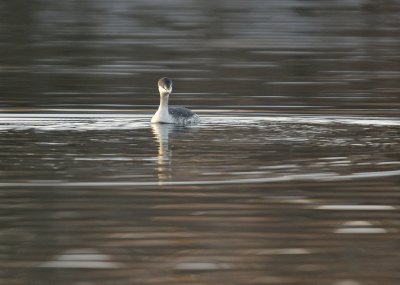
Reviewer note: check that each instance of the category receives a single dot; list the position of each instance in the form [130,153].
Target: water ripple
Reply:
[284,178]
[87,122]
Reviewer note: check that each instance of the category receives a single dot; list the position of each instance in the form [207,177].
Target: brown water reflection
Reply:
[336,57]
[266,234]
[242,200]
[292,177]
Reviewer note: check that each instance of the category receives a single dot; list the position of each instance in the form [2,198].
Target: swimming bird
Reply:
[172,115]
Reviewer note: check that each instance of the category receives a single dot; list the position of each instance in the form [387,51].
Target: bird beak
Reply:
[168,90]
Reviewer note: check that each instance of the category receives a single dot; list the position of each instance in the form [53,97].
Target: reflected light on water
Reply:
[357,207]
[83,258]
[359,227]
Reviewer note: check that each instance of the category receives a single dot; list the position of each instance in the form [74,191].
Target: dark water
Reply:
[292,177]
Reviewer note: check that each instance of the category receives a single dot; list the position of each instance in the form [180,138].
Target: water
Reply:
[292,177]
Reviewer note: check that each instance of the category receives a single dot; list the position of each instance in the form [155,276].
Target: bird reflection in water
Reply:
[161,134]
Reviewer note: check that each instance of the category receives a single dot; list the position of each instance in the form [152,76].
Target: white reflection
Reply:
[81,258]
[92,121]
[285,177]
[361,231]
[359,227]
[72,122]
[191,266]
[161,134]
[356,207]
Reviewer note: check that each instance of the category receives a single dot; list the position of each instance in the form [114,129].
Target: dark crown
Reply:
[165,83]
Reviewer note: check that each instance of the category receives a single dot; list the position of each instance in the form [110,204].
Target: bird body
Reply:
[172,115]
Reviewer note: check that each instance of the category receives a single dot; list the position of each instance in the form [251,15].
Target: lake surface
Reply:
[292,176]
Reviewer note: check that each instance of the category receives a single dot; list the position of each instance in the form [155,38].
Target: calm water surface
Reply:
[292,176]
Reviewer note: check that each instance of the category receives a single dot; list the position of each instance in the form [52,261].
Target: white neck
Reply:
[162,114]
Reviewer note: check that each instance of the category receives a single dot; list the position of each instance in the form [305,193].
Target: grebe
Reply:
[173,115]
